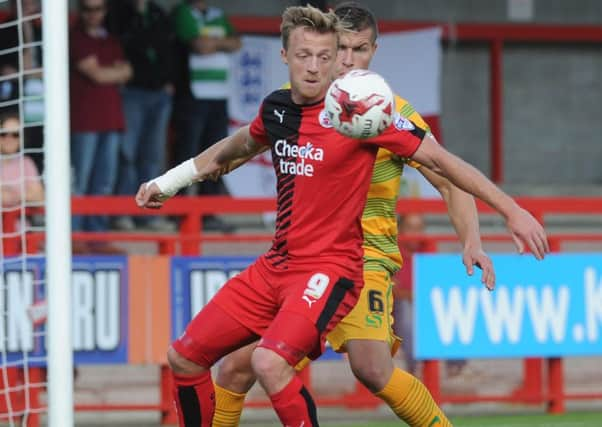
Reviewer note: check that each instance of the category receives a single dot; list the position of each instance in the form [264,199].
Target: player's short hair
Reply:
[357,17]
[309,17]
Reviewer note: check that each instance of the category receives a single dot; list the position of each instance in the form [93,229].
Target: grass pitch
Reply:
[574,419]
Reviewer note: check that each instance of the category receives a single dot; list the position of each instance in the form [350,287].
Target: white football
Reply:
[360,104]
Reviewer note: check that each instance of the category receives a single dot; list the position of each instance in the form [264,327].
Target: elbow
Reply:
[127,75]
[435,166]
[445,192]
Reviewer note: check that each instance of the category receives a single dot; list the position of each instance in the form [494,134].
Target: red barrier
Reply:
[190,236]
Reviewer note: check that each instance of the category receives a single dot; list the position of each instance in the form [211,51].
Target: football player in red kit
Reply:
[294,294]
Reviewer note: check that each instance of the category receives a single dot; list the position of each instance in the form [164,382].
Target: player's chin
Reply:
[312,89]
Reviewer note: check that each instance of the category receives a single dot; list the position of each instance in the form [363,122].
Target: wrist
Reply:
[176,178]
[472,244]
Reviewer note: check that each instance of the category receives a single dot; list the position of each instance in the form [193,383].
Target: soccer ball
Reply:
[360,104]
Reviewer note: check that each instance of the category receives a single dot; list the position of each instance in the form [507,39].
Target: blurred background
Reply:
[512,86]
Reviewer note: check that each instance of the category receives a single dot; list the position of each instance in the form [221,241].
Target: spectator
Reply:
[31,32]
[9,83]
[20,180]
[11,65]
[411,226]
[98,68]
[20,184]
[205,39]
[144,31]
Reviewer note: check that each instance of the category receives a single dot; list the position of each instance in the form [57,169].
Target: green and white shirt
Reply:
[208,73]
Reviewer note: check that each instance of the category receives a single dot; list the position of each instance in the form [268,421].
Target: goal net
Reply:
[25,177]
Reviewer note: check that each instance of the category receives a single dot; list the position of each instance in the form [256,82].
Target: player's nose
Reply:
[313,65]
[348,58]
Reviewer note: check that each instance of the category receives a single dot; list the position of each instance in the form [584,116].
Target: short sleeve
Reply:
[402,137]
[257,129]
[404,108]
[412,163]
[30,170]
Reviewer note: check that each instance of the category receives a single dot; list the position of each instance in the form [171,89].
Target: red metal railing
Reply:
[188,240]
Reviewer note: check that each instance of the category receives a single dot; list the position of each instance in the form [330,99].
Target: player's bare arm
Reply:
[212,162]
[463,214]
[525,229]
[252,149]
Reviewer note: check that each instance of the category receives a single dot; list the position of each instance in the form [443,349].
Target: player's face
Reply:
[9,136]
[310,57]
[356,50]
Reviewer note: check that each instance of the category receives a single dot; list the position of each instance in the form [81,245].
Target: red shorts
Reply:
[291,310]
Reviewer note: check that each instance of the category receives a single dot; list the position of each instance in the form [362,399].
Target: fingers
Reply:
[488,274]
[538,243]
[520,246]
[537,248]
[148,197]
[543,241]
[153,204]
[482,261]
[526,230]
[468,262]
[141,196]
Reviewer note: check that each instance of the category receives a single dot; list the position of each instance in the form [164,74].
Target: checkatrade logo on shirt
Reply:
[297,159]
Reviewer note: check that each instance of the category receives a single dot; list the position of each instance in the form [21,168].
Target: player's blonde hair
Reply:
[309,17]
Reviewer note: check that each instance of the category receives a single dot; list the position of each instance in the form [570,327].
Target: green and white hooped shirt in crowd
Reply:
[208,73]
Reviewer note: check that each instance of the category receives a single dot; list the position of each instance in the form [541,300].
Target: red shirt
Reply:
[94,107]
[322,180]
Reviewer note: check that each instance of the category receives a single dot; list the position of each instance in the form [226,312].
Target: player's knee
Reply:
[271,369]
[182,366]
[267,363]
[235,374]
[374,376]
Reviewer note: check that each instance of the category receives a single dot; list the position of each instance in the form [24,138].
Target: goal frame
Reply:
[58,211]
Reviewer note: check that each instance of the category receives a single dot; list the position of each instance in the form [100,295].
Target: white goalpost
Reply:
[58,212]
[35,280]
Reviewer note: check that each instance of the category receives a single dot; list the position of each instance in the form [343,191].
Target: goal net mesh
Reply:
[22,292]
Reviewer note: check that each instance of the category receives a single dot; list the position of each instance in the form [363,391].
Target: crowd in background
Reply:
[134,69]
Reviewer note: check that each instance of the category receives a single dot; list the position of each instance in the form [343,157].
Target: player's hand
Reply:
[475,256]
[527,231]
[149,196]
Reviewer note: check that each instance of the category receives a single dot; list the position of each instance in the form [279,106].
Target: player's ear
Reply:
[283,55]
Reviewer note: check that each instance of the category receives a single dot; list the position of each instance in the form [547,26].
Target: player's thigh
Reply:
[316,300]
[249,298]
[236,316]
[371,318]
[292,336]
[210,335]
